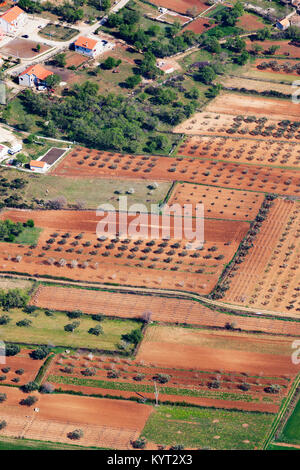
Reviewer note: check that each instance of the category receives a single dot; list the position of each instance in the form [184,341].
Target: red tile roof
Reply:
[87,43]
[38,70]
[37,163]
[12,14]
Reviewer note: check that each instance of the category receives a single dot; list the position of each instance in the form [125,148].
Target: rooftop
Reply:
[87,43]
[12,14]
[38,70]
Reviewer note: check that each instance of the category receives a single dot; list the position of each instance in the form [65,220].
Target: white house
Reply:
[35,75]
[38,166]
[3,151]
[12,20]
[91,47]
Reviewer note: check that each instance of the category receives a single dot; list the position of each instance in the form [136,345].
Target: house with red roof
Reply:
[91,47]
[12,20]
[35,75]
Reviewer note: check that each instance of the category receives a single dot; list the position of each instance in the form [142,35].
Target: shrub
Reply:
[98,330]
[47,388]
[20,371]
[3,424]
[97,317]
[12,349]
[4,319]
[139,443]
[89,371]
[40,353]
[75,435]
[113,374]
[272,389]
[75,314]
[161,378]
[134,337]
[3,397]
[5,370]
[30,387]
[29,401]
[24,322]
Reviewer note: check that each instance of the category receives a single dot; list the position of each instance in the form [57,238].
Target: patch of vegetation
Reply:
[199,428]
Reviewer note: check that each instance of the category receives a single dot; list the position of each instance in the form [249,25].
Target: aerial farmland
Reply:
[149,227]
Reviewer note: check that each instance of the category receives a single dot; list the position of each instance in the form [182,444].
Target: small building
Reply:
[87,46]
[165,66]
[35,75]
[12,20]
[3,151]
[91,47]
[38,166]
[283,24]
[15,149]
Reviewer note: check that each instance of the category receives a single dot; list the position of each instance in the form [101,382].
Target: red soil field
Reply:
[269,276]
[268,152]
[168,266]
[161,350]
[195,170]
[165,310]
[199,401]
[285,48]
[21,361]
[287,67]
[23,48]
[198,26]
[187,379]
[181,6]
[249,105]
[234,125]
[105,423]
[219,203]
[72,58]
[250,23]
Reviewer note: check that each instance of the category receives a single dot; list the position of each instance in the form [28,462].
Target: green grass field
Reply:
[50,330]
[99,190]
[291,431]
[29,236]
[207,428]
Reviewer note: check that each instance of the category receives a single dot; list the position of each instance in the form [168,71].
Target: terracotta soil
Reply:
[195,170]
[219,203]
[23,48]
[249,105]
[166,310]
[236,149]
[269,276]
[142,264]
[199,25]
[229,125]
[288,63]
[285,48]
[181,6]
[206,402]
[21,361]
[75,59]
[250,23]
[181,349]
[105,423]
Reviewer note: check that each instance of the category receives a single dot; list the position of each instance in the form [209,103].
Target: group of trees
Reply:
[9,230]
[13,298]
[107,122]
[156,40]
